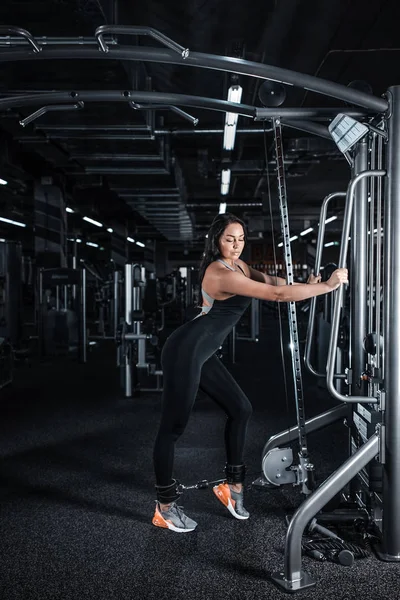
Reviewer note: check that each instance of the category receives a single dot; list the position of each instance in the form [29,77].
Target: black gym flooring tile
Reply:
[77,492]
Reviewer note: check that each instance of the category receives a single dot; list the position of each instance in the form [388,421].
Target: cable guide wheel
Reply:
[276,466]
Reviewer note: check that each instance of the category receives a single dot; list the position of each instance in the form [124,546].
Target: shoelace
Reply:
[178,511]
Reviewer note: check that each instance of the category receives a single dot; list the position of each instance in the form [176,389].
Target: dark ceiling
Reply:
[153,171]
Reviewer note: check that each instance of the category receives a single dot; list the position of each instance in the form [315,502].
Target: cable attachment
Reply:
[200,485]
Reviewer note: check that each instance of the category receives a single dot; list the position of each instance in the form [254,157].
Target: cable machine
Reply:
[364,405]
[372,148]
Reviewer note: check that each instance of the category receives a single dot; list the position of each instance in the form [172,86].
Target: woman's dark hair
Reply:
[211,248]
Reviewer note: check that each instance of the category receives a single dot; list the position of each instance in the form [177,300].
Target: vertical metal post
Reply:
[371,240]
[359,268]
[40,309]
[128,294]
[74,265]
[128,319]
[83,340]
[293,328]
[115,303]
[137,306]
[378,281]
[57,297]
[391,301]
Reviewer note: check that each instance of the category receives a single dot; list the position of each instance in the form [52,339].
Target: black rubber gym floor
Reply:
[77,492]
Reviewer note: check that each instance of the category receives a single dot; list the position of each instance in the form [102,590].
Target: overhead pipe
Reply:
[207,61]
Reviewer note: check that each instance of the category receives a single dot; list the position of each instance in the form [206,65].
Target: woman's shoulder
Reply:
[214,266]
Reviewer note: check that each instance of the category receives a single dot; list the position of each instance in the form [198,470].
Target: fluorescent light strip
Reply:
[309,230]
[235,94]
[330,220]
[140,244]
[329,244]
[280,244]
[69,210]
[226,176]
[225,181]
[3,182]
[231,119]
[11,222]
[229,136]
[224,189]
[92,244]
[222,208]
[294,237]
[130,240]
[110,230]
[89,220]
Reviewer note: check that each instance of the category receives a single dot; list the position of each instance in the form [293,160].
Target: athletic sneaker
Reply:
[232,500]
[174,519]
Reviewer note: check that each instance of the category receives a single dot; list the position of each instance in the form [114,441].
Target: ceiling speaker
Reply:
[271,93]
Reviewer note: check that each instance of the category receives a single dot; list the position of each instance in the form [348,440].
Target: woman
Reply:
[189,363]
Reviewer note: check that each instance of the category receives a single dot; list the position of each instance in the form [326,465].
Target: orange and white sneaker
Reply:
[232,500]
[174,519]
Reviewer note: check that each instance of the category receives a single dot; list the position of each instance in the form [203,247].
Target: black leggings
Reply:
[180,390]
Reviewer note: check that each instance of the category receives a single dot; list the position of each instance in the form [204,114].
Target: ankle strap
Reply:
[235,473]
[168,493]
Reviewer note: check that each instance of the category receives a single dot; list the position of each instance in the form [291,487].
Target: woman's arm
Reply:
[272,279]
[259,276]
[223,282]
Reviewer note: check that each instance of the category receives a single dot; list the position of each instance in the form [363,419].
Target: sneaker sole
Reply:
[166,525]
[230,507]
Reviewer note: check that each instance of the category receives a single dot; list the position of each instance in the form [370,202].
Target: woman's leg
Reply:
[179,394]
[217,382]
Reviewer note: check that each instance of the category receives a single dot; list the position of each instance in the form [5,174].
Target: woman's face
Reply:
[231,242]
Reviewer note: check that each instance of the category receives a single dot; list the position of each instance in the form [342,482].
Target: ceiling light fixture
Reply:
[11,222]
[231,119]
[222,208]
[225,181]
[309,230]
[330,220]
[89,220]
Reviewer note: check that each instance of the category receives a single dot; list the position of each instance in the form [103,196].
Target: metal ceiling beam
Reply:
[71,127]
[65,135]
[117,157]
[134,193]
[121,171]
[207,61]
[126,96]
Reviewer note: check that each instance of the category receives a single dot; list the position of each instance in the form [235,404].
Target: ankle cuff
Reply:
[168,493]
[235,473]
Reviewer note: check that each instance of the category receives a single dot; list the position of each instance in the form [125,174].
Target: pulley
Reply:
[276,466]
